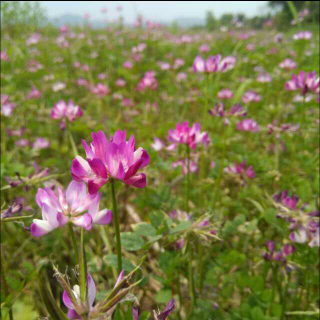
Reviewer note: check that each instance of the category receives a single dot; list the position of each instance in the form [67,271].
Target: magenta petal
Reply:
[66,300]
[40,228]
[91,290]
[77,170]
[98,167]
[103,217]
[138,181]
[84,221]
[72,314]
[94,186]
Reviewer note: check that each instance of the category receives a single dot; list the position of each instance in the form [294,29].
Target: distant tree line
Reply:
[280,14]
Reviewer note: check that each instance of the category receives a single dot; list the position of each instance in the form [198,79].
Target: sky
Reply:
[154,10]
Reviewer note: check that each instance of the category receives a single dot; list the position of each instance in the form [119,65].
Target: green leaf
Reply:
[183,226]
[276,310]
[145,229]
[156,218]
[163,296]
[256,313]
[112,261]
[131,241]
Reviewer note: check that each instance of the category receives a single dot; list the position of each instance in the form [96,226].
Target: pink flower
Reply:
[91,287]
[178,63]
[264,77]
[33,39]
[120,82]
[64,111]
[7,107]
[304,82]
[190,136]
[58,86]
[4,56]
[100,90]
[184,165]
[127,65]
[64,29]
[181,76]
[75,206]
[248,125]
[115,158]
[288,64]
[306,35]
[157,145]
[213,64]
[40,143]
[34,93]
[148,81]
[241,169]
[127,102]
[204,48]
[22,143]
[251,96]
[225,94]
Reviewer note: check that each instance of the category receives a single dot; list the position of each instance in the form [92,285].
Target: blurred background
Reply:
[210,15]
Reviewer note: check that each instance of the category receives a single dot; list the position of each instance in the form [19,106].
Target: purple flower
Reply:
[306,35]
[251,96]
[304,82]
[7,107]
[75,206]
[148,81]
[4,56]
[33,39]
[115,158]
[163,315]
[185,135]
[213,64]
[34,93]
[288,64]
[241,169]
[264,77]
[120,83]
[248,125]
[63,111]
[184,165]
[41,143]
[58,86]
[100,90]
[204,48]
[225,94]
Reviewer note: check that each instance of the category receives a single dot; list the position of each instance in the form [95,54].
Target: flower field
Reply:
[160,173]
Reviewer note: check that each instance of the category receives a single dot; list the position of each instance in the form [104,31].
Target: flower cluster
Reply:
[213,64]
[241,170]
[190,136]
[304,227]
[304,82]
[235,111]
[115,158]
[74,205]
[148,81]
[65,111]
[280,255]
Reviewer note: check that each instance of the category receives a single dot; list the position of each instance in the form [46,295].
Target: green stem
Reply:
[188,178]
[179,293]
[200,249]
[73,145]
[83,269]
[74,242]
[116,225]
[5,286]
[190,278]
